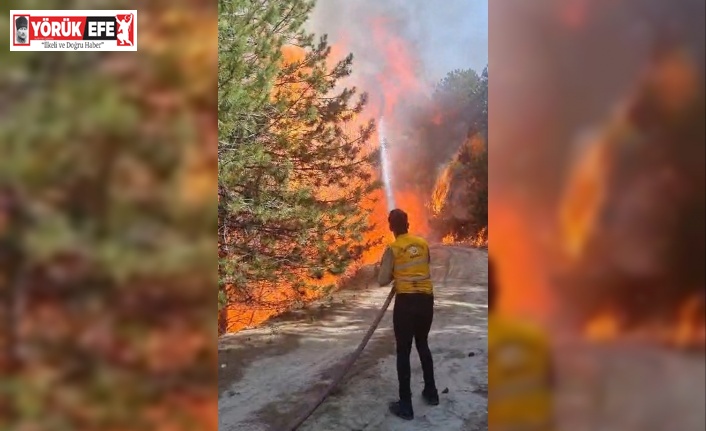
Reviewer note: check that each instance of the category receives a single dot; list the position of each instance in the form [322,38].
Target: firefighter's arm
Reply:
[386,267]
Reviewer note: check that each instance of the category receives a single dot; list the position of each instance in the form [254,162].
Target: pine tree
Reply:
[465,94]
[473,162]
[438,128]
[293,167]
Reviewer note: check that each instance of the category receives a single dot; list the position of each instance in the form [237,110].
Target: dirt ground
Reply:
[269,374]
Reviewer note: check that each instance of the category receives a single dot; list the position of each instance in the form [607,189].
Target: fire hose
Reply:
[345,368]
[356,354]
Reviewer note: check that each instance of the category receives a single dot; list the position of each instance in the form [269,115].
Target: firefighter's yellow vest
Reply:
[519,377]
[411,270]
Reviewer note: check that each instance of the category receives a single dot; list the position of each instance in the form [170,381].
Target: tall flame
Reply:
[584,197]
[441,189]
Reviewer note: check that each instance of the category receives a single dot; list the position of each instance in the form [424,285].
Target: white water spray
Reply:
[386,174]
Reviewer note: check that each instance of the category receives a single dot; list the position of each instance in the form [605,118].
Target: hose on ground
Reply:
[345,368]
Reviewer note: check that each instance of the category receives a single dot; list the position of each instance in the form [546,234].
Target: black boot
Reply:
[431,397]
[402,410]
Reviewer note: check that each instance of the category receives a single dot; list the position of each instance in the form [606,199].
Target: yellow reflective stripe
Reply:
[411,263]
[412,279]
[418,290]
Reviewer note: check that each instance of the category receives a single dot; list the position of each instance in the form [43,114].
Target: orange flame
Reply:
[448,239]
[690,328]
[687,329]
[399,74]
[584,197]
[411,202]
[292,54]
[525,288]
[441,189]
[604,327]
[480,240]
[396,79]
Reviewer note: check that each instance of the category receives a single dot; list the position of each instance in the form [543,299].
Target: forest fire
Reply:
[395,80]
[398,78]
[479,240]
[449,238]
[584,199]
[637,292]
[419,122]
[441,190]
[292,54]
[683,329]
[526,291]
[414,204]
[458,201]
[611,252]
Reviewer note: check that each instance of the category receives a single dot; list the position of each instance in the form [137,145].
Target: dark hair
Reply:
[492,286]
[21,22]
[399,224]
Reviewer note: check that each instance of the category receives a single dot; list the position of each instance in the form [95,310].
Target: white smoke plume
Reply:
[401,50]
[447,35]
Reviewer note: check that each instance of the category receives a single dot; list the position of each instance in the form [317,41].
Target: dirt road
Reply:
[269,374]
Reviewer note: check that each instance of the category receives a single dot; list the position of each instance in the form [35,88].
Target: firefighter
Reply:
[519,371]
[406,261]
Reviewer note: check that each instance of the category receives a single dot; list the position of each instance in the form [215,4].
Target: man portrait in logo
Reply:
[21,30]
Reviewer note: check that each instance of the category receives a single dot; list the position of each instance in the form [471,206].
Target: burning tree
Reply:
[460,196]
[292,175]
[633,212]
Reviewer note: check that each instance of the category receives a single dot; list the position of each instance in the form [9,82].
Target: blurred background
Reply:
[107,227]
[597,208]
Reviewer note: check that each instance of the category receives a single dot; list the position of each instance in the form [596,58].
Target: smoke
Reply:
[454,36]
[401,50]
[559,69]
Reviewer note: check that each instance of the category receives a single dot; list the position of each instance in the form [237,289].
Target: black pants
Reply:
[412,319]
